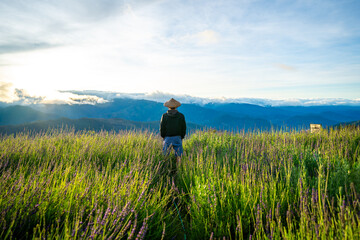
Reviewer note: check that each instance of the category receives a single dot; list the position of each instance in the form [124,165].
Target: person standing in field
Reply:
[173,129]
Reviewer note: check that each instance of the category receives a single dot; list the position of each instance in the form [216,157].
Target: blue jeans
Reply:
[175,142]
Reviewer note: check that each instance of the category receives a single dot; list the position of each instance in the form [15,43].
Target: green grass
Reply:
[269,185]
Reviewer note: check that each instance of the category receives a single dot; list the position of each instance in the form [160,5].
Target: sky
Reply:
[232,49]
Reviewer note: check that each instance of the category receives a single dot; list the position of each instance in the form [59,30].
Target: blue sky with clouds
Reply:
[254,49]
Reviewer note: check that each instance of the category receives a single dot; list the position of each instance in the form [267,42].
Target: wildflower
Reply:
[142,231]
[134,228]
[105,216]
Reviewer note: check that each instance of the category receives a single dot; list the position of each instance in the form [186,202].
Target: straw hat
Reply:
[172,103]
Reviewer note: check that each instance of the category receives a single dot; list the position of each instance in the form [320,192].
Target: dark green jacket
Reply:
[172,124]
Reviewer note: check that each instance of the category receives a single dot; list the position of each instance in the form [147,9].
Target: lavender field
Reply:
[269,185]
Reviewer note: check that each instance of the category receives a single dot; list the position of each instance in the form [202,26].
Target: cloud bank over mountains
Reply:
[162,97]
[13,96]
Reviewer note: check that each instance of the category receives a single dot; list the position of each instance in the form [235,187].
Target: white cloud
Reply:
[24,98]
[164,96]
[207,37]
[6,92]
[285,67]
[98,97]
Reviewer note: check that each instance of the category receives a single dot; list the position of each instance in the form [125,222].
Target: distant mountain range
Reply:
[120,114]
[22,114]
[94,124]
[347,124]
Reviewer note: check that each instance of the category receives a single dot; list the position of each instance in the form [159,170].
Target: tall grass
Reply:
[273,185]
[269,185]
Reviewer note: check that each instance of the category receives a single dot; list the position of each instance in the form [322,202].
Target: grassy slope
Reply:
[106,185]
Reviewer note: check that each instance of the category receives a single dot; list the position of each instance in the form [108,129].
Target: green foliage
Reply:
[264,185]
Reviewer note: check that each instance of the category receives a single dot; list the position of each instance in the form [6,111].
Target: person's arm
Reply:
[183,127]
[163,126]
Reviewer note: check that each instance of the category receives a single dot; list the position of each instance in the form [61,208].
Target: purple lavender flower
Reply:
[114,210]
[142,231]
[134,228]
[314,196]
[125,228]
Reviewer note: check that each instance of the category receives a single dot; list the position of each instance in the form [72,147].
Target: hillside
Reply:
[348,125]
[22,114]
[222,116]
[304,121]
[89,185]
[94,124]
